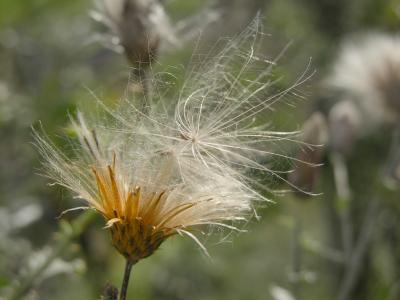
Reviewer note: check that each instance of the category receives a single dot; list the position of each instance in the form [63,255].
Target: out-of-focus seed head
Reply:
[367,72]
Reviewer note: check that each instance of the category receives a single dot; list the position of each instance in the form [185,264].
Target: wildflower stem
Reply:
[125,282]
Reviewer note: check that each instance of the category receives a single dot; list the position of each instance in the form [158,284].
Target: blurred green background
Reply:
[50,58]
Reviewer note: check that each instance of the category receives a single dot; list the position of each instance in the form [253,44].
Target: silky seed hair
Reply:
[223,112]
[189,162]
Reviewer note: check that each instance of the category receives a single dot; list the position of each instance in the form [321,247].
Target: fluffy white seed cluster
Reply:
[192,159]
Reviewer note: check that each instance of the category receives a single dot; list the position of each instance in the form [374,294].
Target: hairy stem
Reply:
[125,282]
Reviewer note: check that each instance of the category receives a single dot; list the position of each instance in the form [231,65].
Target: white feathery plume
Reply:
[221,114]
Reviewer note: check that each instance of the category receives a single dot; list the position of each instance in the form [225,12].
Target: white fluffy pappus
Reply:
[185,163]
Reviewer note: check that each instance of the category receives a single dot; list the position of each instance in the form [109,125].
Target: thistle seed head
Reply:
[186,164]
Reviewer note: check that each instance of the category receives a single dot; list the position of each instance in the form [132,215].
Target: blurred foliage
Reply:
[50,60]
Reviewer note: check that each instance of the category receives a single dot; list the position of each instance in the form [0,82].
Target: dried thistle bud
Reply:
[344,126]
[314,135]
[138,26]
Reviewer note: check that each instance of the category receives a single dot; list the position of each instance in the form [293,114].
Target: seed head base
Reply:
[136,240]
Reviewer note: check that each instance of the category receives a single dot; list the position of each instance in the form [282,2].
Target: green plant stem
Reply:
[125,281]
[66,236]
